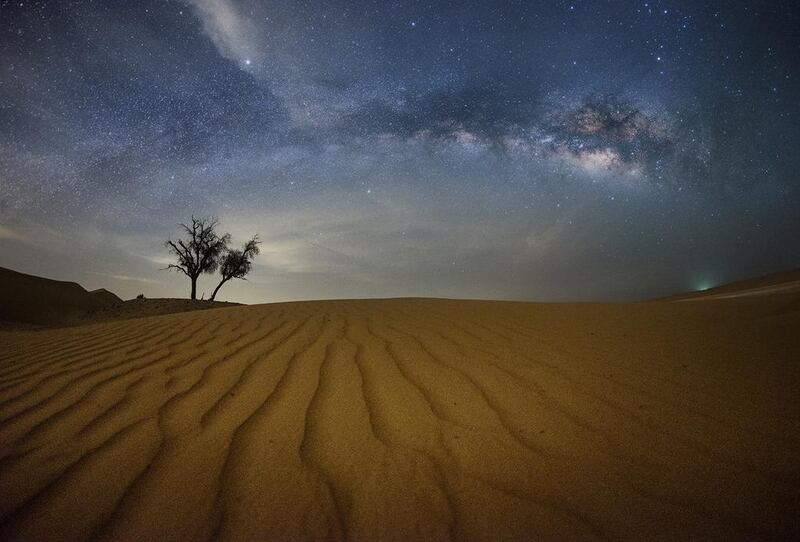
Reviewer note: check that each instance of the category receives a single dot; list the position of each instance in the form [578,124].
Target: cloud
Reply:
[126,278]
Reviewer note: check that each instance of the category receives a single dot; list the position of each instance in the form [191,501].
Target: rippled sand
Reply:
[407,419]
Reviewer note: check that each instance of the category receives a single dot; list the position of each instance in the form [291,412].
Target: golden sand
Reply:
[407,419]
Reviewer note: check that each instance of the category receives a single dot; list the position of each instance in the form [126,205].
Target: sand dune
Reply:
[35,300]
[28,301]
[407,420]
[782,282]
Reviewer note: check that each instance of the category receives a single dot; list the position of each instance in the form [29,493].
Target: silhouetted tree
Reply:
[199,251]
[235,264]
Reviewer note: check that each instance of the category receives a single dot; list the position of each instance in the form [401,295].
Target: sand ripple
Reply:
[406,420]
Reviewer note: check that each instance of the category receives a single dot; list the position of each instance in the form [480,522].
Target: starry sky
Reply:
[585,150]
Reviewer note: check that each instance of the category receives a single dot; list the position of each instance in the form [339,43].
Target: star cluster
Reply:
[526,150]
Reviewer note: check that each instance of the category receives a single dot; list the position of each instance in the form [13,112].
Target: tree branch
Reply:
[178,267]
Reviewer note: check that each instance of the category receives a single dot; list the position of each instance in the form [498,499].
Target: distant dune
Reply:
[108,299]
[783,282]
[35,300]
[27,300]
[408,419]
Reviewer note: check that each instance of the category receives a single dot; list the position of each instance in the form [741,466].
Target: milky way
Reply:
[521,150]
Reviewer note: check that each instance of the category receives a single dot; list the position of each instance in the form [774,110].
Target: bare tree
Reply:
[199,251]
[235,264]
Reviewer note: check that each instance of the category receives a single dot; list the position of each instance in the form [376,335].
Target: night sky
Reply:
[509,150]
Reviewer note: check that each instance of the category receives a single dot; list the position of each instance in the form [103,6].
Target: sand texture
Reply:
[407,419]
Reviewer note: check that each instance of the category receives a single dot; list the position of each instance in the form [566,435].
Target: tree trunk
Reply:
[223,281]
[194,287]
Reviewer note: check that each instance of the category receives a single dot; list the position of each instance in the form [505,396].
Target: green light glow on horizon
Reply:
[704,285]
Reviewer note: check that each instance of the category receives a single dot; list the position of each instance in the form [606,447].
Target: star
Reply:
[450,126]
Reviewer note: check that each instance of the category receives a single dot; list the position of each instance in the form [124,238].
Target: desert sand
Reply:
[408,419]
